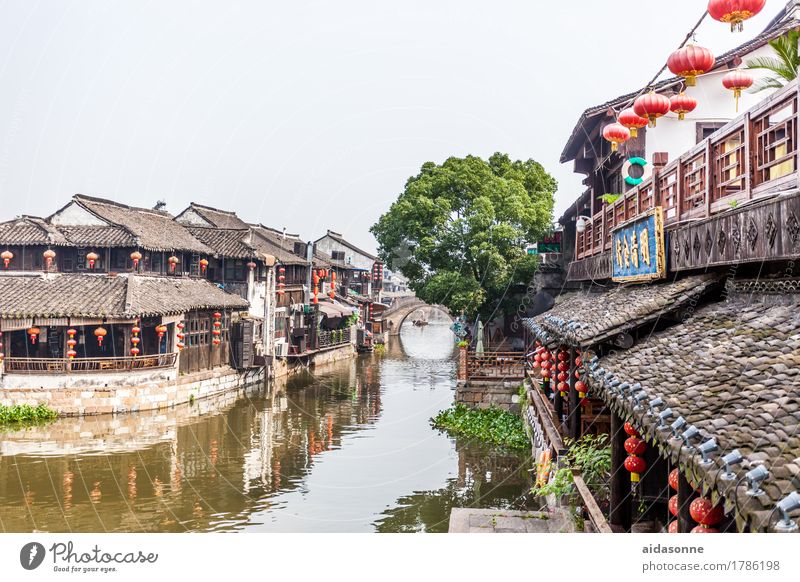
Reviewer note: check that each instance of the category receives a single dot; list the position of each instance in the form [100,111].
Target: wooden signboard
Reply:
[637,248]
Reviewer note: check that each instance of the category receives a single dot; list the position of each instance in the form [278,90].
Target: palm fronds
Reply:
[784,64]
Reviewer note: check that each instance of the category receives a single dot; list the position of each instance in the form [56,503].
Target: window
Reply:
[705,129]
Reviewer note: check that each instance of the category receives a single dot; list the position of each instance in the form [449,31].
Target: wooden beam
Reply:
[621,511]
[685,496]
[574,400]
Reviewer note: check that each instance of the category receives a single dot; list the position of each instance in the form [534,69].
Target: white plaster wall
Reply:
[190,216]
[357,260]
[715,104]
[75,215]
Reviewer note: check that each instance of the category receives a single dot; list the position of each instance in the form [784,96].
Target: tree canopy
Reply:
[458,231]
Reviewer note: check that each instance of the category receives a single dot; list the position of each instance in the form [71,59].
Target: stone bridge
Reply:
[398,312]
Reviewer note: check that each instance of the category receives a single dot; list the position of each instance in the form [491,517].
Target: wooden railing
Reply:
[496,366]
[754,155]
[333,338]
[88,365]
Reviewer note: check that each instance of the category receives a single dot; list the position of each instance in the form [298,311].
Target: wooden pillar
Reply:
[574,400]
[558,402]
[685,495]
[621,511]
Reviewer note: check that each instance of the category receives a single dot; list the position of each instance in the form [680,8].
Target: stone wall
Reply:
[131,394]
[285,367]
[503,395]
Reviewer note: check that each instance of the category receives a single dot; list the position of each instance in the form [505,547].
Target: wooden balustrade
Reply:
[754,155]
[88,365]
[496,366]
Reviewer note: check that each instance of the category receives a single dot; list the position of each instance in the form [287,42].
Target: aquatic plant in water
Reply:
[492,425]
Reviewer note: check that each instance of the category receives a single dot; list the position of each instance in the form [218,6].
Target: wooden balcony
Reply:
[752,157]
[495,366]
[88,365]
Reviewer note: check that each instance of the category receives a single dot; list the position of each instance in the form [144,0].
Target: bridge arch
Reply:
[396,315]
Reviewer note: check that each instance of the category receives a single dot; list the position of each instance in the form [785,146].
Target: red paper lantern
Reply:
[33,333]
[673,505]
[216,341]
[92,259]
[737,81]
[49,256]
[580,386]
[629,118]
[563,387]
[161,330]
[72,332]
[71,354]
[705,513]
[203,266]
[734,12]
[136,340]
[71,343]
[630,430]
[100,333]
[673,479]
[651,106]
[682,104]
[690,62]
[217,315]
[578,362]
[703,529]
[181,326]
[135,351]
[616,133]
[563,356]
[635,446]
[252,265]
[563,366]
[136,330]
[6,256]
[562,376]
[216,332]
[637,466]
[136,256]
[173,263]
[673,526]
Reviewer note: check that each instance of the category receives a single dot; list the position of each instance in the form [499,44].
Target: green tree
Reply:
[458,231]
[783,65]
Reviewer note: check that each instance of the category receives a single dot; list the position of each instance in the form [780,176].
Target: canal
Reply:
[347,450]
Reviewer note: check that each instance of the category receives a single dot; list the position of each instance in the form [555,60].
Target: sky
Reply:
[308,115]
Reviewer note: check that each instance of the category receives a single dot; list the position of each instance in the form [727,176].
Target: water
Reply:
[349,450]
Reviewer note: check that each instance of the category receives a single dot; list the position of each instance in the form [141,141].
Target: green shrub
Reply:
[491,425]
[26,414]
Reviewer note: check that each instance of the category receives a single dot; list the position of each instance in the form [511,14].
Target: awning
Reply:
[733,371]
[587,318]
[335,310]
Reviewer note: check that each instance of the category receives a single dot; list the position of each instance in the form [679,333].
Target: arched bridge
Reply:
[398,312]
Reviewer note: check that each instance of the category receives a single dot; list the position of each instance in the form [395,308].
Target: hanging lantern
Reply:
[71,354]
[252,266]
[91,258]
[581,388]
[216,341]
[673,526]
[690,62]
[173,263]
[100,333]
[682,104]
[734,12]
[217,315]
[6,256]
[616,133]
[630,430]
[71,332]
[651,106]
[71,343]
[636,466]
[136,330]
[737,81]
[578,362]
[704,512]
[673,505]
[562,376]
[33,333]
[673,479]
[563,387]
[181,326]
[217,324]
[136,340]
[628,118]
[136,256]
[49,256]
[161,330]
[135,351]
[704,529]
[203,266]
[563,356]
[635,446]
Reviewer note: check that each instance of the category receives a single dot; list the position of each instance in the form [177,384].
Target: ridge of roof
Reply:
[341,240]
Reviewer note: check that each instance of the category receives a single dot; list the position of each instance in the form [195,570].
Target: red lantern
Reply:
[100,333]
[635,446]
[630,430]
[173,263]
[628,118]
[6,256]
[581,388]
[563,356]
[216,341]
[616,133]
[136,256]
[578,362]
[218,324]
[637,466]
[49,256]
[673,505]
[33,333]
[562,376]
[136,340]
[546,355]
[135,351]
[92,259]
[673,526]
[563,387]
[217,315]
[651,106]
[682,104]
[216,332]
[203,266]
[72,332]
[737,81]
[71,354]
[703,529]
[563,366]
[705,513]
[734,12]
[181,326]
[252,266]
[161,330]
[690,62]
[673,479]
[136,330]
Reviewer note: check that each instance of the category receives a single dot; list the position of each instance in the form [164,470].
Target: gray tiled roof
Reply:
[30,230]
[98,236]
[85,295]
[589,317]
[219,218]
[733,371]
[154,230]
[225,242]
[272,243]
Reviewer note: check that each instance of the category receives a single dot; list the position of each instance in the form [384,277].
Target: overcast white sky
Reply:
[308,115]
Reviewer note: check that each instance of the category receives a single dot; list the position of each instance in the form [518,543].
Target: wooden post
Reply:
[709,177]
[574,400]
[685,495]
[558,403]
[620,515]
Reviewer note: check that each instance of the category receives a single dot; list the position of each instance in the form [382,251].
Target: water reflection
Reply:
[348,450]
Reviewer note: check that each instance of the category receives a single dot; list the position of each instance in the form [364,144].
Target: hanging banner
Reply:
[637,251]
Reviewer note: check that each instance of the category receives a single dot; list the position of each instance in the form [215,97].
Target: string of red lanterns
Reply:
[281,281]
[135,340]
[217,331]
[635,447]
[180,336]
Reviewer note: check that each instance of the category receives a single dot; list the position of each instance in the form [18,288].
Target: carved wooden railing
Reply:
[754,155]
[496,366]
[333,338]
[88,365]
